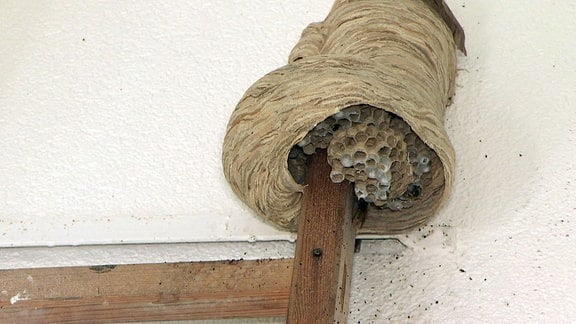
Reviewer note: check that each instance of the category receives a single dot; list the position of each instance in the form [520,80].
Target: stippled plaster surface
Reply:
[501,250]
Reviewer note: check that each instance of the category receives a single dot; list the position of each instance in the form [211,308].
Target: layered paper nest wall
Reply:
[394,55]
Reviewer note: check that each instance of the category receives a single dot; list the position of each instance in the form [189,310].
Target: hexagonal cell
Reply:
[309,149]
[346,160]
[360,156]
[371,143]
[359,166]
[336,176]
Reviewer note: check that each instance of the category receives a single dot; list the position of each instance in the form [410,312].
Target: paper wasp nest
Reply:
[370,84]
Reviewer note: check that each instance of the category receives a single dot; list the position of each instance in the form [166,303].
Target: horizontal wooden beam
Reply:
[147,292]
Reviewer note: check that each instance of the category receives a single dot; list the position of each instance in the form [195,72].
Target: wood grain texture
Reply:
[322,266]
[126,293]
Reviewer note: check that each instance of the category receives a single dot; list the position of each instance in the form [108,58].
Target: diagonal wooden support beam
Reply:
[321,274]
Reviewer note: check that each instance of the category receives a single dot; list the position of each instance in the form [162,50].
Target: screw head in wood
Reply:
[317,252]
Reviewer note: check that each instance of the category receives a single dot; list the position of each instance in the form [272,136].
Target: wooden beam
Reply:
[160,292]
[324,249]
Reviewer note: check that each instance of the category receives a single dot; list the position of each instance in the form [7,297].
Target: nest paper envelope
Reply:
[366,56]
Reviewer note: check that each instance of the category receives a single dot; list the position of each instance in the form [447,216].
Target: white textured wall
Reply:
[121,125]
[112,116]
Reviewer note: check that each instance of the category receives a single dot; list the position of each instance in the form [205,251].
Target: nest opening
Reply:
[378,151]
